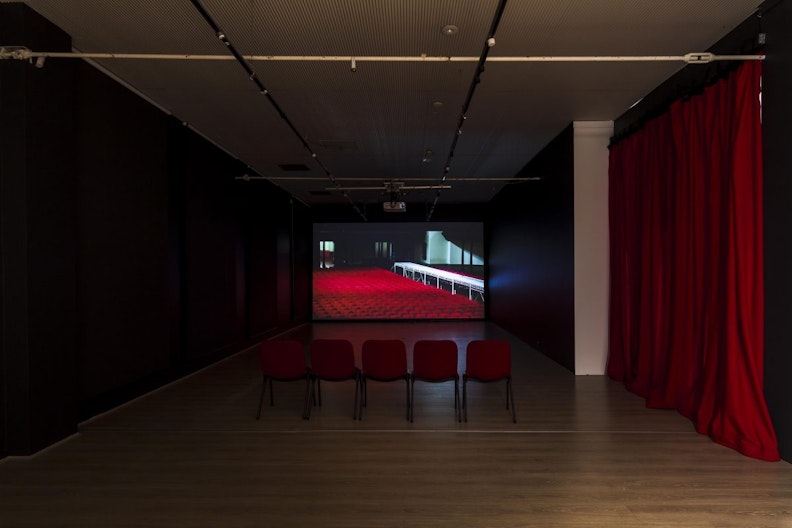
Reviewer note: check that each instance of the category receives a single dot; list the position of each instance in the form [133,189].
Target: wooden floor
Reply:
[584,452]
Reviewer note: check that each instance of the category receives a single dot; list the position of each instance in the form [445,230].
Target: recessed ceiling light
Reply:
[437,106]
[449,30]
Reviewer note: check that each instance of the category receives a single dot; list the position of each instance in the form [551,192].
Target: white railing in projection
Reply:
[436,277]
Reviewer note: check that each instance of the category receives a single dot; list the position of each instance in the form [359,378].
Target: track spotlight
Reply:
[427,156]
[354,65]
[40,61]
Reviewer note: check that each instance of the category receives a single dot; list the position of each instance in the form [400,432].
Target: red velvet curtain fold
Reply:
[686,251]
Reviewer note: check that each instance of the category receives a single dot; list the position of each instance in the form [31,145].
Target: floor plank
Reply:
[584,452]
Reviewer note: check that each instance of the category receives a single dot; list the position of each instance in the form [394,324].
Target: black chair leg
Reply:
[363,398]
[261,398]
[407,386]
[311,399]
[459,409]
[307,400]
[464,398]
[316,393]
[412,400]
[358,389]
[510,396]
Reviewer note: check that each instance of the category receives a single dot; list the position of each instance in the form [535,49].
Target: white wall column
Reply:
[591,245]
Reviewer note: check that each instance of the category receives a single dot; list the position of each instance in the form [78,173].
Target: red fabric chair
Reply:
[487,361]
[435,361]
[281,360]
[332,360]
[384,360]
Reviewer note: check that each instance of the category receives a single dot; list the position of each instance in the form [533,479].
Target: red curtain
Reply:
[686,251]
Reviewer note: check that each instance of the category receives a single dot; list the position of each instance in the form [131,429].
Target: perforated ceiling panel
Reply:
[391,114]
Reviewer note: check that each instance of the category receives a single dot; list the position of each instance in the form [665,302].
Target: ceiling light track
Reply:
[488,44]
[264,91]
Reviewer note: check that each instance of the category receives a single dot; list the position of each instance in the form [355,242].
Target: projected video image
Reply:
[398,271]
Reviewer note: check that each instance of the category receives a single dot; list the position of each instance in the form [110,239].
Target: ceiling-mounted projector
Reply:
[394,207]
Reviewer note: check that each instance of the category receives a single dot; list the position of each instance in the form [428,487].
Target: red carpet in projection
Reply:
[379,294]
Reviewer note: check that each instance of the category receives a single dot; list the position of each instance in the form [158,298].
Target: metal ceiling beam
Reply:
[23,53]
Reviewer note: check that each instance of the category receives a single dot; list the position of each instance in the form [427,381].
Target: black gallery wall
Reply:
[531,253]
[776,117]
[130,254]
[38,304]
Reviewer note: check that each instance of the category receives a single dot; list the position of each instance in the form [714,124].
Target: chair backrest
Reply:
[488,359]
[284,358]
[333,359]
[384,359]
[435,359]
